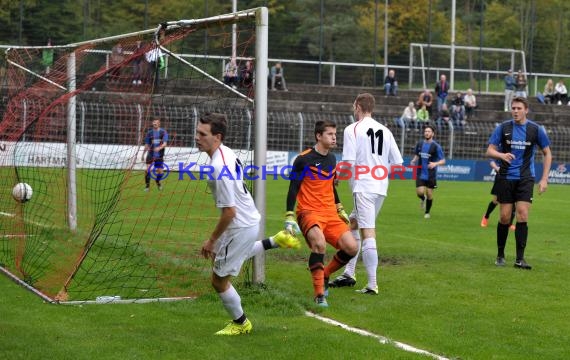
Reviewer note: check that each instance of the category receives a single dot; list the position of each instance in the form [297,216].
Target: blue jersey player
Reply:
[428,155]
[514,144]
[155,142]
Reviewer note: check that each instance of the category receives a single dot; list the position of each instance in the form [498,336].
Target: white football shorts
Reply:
[366,208]
[233,248]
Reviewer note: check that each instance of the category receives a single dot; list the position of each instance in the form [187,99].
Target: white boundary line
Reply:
[381,339]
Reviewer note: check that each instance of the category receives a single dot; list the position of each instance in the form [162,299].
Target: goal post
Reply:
[74,130]
[466,61]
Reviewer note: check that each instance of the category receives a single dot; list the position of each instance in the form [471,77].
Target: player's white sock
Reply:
[370,260]
[232,302]
[350,268]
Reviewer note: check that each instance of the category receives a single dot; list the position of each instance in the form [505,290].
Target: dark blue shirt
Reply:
[155,138]
[521,141]
[428,152]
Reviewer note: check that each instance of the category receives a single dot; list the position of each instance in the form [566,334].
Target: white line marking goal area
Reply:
[381,339]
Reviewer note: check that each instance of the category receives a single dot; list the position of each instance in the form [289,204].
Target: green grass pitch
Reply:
[439,291]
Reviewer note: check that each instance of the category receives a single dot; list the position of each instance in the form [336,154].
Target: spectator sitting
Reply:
[548,93]
[442,117]
[277,76]
[520,85]
[422,117]
[391,84]
[560,93]
[458,110]
[231,74]
[470,103]
[247,74]
[408,117]
[426,98]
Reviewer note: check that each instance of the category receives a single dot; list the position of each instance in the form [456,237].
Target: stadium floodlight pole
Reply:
[260,154]
[71,142]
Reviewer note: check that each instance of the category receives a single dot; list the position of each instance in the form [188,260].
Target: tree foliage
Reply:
[342,30]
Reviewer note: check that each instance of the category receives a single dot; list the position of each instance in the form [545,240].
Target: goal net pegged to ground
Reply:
[74,119]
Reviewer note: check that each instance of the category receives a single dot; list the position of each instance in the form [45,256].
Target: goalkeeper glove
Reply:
[161,63]
[291,224]
[342,214]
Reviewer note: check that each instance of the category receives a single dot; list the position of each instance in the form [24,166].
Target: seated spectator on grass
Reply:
[408,117]
[548,93]
[470,103]
[560,93]
[391,84]
[426,98]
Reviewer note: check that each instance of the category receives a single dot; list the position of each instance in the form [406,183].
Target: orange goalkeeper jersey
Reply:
[312,182]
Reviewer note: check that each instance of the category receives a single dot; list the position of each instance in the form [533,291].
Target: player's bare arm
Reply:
[228,213]
[492,152]
[547,162]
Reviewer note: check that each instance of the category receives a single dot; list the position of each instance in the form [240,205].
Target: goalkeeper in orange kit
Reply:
[320,215]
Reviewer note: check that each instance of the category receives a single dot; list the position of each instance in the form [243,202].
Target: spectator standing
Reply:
[277,76]
[560,93]
[510,84]
[138,65]
[391,84]
[47,57]
[154,58]
[548,92]
[441,91]
[520,85]
[470,103]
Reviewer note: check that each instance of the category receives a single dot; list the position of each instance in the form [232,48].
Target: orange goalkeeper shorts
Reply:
[329,223]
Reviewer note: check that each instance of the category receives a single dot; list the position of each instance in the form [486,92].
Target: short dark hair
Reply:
[430,127]
[322,125]
[218,123]
[521,100]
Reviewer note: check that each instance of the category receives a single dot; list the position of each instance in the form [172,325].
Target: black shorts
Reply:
[511,191]
[156,162]
[494,188]
[430,184]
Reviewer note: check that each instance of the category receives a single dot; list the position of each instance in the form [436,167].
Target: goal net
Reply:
[469,64]
[73,127]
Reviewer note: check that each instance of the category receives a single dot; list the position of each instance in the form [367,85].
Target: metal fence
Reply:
[108,123]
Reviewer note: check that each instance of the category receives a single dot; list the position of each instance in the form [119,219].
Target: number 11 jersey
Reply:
[372,150]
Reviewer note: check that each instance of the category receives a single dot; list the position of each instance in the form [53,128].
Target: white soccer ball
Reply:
[22,192]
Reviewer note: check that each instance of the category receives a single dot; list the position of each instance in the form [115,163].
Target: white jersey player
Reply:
[372,151]
[234,238]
